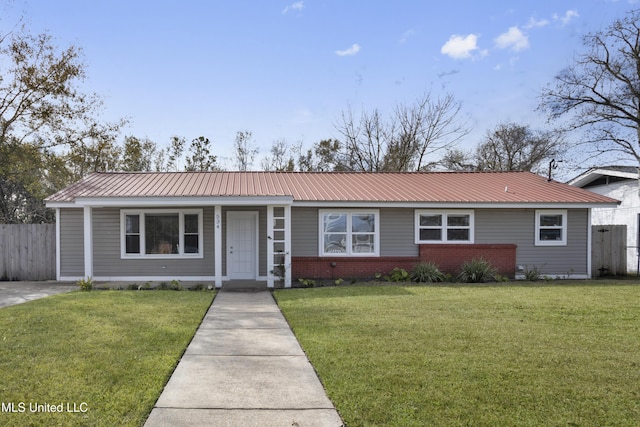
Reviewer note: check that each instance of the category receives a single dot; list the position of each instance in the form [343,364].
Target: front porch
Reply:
[239,241]
[252,244]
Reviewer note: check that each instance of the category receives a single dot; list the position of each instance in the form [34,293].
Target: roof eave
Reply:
[178,201]
[593,174]
[54,205]
[457,205]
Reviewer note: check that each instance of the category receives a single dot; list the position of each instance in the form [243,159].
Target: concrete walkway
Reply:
[244,367]
[12,293]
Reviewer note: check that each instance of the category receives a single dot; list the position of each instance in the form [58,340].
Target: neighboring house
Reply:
[621,183]
[222,226]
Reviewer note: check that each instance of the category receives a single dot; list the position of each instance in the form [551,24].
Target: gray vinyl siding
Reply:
[397,235]
[71,242]
[262,235]
[518,226]
[512,226]
[396,232]
[107,261]
[304,231]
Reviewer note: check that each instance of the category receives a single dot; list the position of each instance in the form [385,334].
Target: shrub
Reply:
[532,274]
[427,272]
[398,275]
[307,283]
[477,270]
[85,284]
[174,285]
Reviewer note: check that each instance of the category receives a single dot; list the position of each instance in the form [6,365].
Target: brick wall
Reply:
[449,257]
[347,267]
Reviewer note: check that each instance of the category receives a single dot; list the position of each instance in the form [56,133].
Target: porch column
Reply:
[58,244]
[217,239]
[88,242]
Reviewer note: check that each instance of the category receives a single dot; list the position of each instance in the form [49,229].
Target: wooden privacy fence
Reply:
[608,250]
[27,251]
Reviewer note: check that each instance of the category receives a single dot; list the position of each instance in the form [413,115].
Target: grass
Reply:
[105,355]
[504,355]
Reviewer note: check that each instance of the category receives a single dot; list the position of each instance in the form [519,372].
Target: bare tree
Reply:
[326,155]
[458,160]
[514,147]
[508,147]
[600,93]
[244,151]
[365,141]
[174,151]
[407,141]
[281,159]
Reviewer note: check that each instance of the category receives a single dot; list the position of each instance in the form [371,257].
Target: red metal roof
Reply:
[426,187]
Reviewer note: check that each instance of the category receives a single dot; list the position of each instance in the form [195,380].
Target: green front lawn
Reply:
[565,354]
[102,357]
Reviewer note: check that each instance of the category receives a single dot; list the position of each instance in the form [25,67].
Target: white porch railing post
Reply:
[287,246]
[271,265]
[279,244]
[217,233]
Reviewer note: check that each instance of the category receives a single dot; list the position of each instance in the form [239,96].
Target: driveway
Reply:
[12,293]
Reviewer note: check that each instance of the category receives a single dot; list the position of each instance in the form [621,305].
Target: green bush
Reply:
[307,283]
[85,284]
[174,285]
[427,272]
[478,270]
[398,275]
[532,274]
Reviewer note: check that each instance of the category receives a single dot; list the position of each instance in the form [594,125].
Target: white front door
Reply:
[242,245]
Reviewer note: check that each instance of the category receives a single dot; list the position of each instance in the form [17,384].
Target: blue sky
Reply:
[287,69]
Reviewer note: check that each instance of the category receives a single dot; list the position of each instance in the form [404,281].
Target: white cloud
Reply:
[460,47]
[536,23]
[513,39]
[569,15]
[297,6]
[353,50]
[407,35]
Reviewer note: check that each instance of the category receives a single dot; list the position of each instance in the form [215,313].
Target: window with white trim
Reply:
[349,233]
[551,228]
[439,226]
[161,233]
